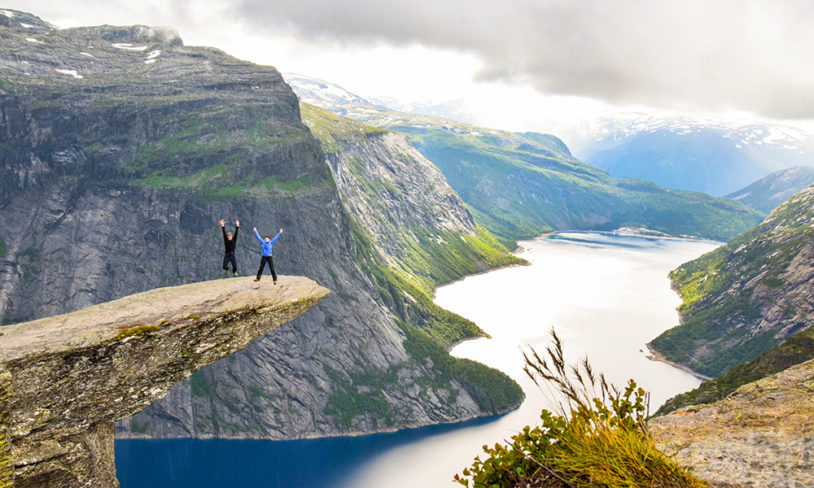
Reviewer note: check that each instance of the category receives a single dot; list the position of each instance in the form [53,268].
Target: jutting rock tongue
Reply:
[72,376]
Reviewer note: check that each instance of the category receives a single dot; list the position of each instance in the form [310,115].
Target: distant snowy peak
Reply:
[322,93]
[25,20]
[716,156]
[623,126]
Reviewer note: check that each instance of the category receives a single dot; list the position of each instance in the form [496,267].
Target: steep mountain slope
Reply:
[748,296]
[795,350]
[383,179]
[521,185]
[693,153]
[121,149]
[770,191]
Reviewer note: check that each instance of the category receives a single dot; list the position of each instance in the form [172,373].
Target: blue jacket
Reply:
[266,245]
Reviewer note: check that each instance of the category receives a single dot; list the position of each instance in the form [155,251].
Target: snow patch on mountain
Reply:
[128,47]
[70,72]
[322,93]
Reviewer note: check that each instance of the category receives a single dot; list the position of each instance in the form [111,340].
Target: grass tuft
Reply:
[598,438]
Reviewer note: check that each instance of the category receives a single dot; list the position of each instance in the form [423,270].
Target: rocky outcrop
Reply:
[744,298]
[760,436]
[73,375]
[384,180]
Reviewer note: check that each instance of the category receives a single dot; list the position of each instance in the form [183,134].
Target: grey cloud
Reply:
[735,54]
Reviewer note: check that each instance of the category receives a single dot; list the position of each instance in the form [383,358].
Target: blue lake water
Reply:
[607,295]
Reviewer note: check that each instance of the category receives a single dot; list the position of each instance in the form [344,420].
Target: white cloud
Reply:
[695,55]
[728,54]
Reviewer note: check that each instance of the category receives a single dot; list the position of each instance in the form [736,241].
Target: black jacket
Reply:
[227,244]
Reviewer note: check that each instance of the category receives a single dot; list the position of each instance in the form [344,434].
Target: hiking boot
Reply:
[235,273]
[257,279]
[275,282]
[225,272]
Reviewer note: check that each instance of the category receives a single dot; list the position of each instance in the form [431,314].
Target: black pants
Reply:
[263,261]
[229,258]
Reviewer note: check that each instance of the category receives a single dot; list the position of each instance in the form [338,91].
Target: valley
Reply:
[449,248]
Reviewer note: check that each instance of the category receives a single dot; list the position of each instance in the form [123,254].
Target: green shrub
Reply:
[200,387]
[137,428]
[31,253]
[599,437]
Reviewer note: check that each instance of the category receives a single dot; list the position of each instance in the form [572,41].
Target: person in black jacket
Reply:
[229,242]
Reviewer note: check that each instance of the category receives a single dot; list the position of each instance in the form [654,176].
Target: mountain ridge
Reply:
[522,185]
[772,190]
[694,153]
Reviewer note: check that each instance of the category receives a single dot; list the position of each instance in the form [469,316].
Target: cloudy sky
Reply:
[516,62]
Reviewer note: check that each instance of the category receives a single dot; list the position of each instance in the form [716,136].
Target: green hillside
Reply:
[744,298]
[520,185]
[431,239]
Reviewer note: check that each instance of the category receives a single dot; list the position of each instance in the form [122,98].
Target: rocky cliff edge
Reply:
[71,376]
[762,435]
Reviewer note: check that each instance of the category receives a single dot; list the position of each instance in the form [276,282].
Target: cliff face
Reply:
[748,296]
[759,436]
[414,219]
[121,149]
[71,376]
[386,183]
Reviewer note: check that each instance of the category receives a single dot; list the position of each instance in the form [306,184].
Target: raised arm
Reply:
[237,228]
[223,229]
[257,235]
[275,237]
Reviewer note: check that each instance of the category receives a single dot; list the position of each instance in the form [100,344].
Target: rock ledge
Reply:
[761,435]
[70,377]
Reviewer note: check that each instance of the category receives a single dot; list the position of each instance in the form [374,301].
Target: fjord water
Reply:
[606,295]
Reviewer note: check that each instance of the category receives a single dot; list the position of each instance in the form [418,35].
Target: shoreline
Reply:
[480,335]
[657,356]
[389,430]
[498,268]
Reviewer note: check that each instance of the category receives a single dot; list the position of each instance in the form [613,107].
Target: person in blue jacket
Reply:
[267,242]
